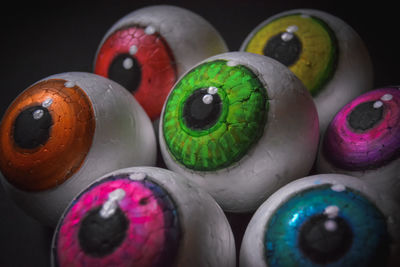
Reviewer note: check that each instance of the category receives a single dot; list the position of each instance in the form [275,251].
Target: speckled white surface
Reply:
[386,178]
[123,137]
[286,150]
[252,248]
[190,37]
[354,72]
[207,238]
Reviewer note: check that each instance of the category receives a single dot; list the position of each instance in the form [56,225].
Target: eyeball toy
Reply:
[324,52]
[240,125]
[65,131]
[143,216]
[147,50]
[363,140]
[323,220]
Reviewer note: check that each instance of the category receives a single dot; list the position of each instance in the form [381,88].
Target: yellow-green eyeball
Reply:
[323,220]
[324,52]
[239,125]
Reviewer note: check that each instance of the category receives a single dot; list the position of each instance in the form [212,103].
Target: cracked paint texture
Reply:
[239,126]
[71,136]
[152,236]
[357,150]
[156,62]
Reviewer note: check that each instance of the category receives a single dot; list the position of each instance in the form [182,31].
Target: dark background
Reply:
[41,39]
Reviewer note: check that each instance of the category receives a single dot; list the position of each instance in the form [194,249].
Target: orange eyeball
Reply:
[62,132]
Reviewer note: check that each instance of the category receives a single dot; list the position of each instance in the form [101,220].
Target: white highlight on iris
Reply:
[305,16]
[292,29]
[69,84]
[47,103]
[232,63]
[330,225]
[128,63]
[149,30]
[386,97]
[133,50]
[294,219]
[212,90]
[287,36]
[111,205]
[378,104]
[38,114]
[137,176]
[207,99]
[331,211]
[338,187]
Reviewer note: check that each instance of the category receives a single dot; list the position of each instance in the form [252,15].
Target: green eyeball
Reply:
[233,124]
[214,115]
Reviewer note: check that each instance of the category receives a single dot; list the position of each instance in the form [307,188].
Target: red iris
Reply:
[145,60]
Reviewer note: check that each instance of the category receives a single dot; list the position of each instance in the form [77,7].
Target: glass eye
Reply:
[143,217]
[62,132]
[229,120]
[363,140]
[149,48]
[322,220]
[319,48]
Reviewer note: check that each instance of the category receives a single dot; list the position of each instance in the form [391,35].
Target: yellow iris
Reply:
[317,59]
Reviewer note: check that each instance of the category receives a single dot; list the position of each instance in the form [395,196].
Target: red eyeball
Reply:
[139,60]
[147,50]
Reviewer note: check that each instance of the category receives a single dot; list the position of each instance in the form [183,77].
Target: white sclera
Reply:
[286,150]
[354,73]
[207,238]
[252,251]
[190,37]
[385,178]
[123,137]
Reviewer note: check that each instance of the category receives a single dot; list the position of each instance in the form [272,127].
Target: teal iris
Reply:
[369,241]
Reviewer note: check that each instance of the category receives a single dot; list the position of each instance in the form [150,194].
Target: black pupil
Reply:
[365,116]
[285,47]
[200,115]
[32,127]
[321,244]
[126,71]
[100,236]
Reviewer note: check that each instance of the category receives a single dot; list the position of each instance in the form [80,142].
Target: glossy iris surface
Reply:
[144,229]
[329,226]
[365,134]
[214,115]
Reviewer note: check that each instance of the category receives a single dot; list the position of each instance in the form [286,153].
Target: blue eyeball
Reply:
[329,220]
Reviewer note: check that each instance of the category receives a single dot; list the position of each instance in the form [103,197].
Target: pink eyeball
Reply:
[143,216]
[363,140]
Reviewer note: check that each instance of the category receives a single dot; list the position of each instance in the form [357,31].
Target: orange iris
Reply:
[70,135]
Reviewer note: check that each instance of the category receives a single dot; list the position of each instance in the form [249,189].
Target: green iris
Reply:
[212,135]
